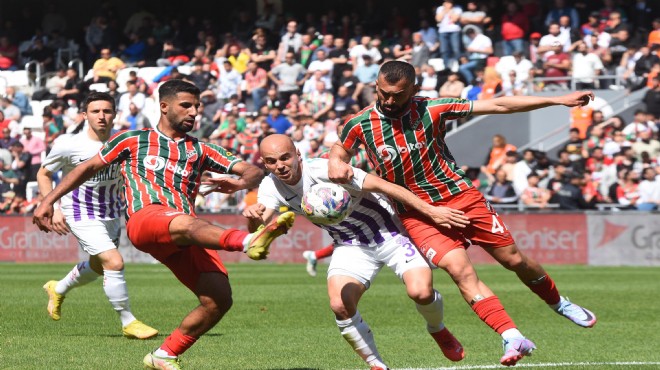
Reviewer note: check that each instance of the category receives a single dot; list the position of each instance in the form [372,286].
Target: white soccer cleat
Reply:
[311,262]
[579,315]
[515,349]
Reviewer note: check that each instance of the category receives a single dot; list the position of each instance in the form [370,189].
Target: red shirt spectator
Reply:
[515,23]
[8,53]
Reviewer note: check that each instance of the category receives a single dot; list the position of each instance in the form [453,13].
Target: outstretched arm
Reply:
[83,172]
[514,104]
[442,216]
[339,170]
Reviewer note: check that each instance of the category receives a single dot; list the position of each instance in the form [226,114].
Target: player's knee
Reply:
[216,307]
[513,261]
[420,293]
[340,309]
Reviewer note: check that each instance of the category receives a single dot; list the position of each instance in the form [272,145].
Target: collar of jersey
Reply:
[167,137]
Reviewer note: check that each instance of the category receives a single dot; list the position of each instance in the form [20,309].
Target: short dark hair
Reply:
[170,88]
[95,96]
[394,71]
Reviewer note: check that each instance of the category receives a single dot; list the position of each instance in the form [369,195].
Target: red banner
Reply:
[548,238]
[21,241]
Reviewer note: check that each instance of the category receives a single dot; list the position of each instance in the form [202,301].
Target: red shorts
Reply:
[149,231]
[486,228]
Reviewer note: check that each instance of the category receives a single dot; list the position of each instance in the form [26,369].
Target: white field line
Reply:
[543,365]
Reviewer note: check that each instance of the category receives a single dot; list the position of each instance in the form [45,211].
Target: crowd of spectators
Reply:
[605,162]
[301,75]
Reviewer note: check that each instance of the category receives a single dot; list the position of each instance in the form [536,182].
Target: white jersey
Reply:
[99,197]
[371,220]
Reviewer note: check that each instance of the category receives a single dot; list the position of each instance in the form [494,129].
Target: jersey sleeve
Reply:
[117,147]
[267,194]
[351,135]
[217,159]
[450,108]
[59,155]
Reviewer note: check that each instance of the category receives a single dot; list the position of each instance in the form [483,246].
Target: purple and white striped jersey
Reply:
[371,222]
[99,197]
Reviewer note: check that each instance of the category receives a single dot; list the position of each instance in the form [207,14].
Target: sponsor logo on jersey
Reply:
[389,153]
[153,163]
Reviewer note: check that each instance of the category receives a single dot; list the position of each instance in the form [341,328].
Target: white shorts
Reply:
[96,236]
[364,263]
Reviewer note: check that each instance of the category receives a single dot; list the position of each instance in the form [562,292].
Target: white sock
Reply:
[359,336]
[246,241]
[81,274]
[115,289]
[511,333]
[433,313]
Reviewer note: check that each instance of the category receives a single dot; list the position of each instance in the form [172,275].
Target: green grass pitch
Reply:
[281,320]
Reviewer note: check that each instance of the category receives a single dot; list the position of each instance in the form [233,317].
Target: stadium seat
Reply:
[36,123]
[100,87]
[148,73]
[437,63]
[38,106]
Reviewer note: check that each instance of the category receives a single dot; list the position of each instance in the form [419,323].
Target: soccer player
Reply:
[404,136]
[162,168]
[92,213]
[369,238]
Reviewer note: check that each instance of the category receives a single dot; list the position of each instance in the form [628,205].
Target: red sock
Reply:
[177,343]
[491,311]
[325,251]
[232,240]
[545,288]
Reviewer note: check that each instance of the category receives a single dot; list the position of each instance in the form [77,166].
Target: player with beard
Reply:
[404,136]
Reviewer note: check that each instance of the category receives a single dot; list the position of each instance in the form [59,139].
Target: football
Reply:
[326,203]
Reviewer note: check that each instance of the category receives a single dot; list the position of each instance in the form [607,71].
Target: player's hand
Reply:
[42,217]
[577,98]
[59,223]
[448,217]
[227,185]
[340,172]
[254,211]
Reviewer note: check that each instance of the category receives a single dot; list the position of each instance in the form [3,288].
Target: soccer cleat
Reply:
[450,346]
[54,300]
[260,242]
[152,361]
[579,315]
[311,262]
[138,330]
[515,349]
[379,368]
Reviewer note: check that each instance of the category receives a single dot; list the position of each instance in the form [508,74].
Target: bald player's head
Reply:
[281,158]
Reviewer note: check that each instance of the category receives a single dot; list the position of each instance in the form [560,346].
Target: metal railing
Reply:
[571,82]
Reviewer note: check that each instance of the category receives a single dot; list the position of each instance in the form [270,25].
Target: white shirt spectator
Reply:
[550,40]
[649,191]
[586,67]
[480,42]
[325,65]
[126,99]
[359,50]
[228,83]
[508,63]
[520,172]
[446,25]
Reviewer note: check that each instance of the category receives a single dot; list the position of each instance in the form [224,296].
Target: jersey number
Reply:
[497,226]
